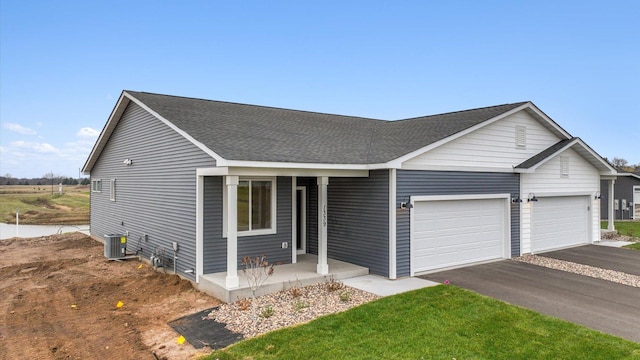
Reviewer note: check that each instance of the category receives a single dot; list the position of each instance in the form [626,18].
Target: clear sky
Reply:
[63,64]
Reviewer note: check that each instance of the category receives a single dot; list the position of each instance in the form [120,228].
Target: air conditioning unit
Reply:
[115,246]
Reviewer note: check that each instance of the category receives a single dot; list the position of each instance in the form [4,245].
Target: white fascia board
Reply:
[100,143]
[606,168]
[291,165]
[195,142]
[258,171]
[628,174]
[460,168]
[548,120]
[459,197]
[592,157]
[457,135]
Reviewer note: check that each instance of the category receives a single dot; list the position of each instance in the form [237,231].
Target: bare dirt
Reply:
[59,296]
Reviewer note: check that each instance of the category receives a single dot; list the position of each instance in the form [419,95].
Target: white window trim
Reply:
[274,215]
[112,190]
[93,186]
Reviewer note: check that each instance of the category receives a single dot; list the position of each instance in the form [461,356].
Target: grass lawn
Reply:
[441,322]
[37,205]
[628,228]
[635,246]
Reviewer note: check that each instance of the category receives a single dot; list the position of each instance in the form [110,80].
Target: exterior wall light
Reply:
[532,197]
[127,162]
[597,197]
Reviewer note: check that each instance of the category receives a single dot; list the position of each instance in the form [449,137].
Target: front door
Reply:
[301,219]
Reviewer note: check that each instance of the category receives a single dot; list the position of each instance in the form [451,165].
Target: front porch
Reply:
[303,272]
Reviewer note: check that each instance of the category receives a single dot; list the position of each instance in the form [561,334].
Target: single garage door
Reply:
[451,233]
[558,222]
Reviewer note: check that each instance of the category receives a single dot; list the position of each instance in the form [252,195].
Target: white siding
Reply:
[547,180]
[493,146]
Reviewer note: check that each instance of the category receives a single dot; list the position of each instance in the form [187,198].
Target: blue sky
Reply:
[63,64]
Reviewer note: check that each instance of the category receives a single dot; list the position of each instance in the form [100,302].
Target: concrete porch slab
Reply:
[302,273]
[385,287]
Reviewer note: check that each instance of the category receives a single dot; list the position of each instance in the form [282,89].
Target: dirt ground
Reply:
[59,296]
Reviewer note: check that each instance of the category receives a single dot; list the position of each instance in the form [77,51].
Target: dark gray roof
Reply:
[544,154]
[258,133]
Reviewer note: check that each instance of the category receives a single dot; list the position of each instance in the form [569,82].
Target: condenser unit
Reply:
[115,246]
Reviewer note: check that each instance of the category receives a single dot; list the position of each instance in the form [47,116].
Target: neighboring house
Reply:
[626,198]
[227,180]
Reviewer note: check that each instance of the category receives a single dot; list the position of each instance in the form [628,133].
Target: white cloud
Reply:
[87,132]
[19,129]
[38,147]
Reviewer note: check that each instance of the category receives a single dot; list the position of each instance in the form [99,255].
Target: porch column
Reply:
[323,266]
[232,280]
[611,217]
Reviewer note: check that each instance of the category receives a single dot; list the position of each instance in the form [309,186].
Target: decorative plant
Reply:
[257,270]
[345,296]
[267,312]
[299,305]
[334,285]
[296,289]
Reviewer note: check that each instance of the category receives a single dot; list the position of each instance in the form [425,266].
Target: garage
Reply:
[454,232]
[559,222]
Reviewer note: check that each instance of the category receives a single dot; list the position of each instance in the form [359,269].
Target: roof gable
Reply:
[579,146]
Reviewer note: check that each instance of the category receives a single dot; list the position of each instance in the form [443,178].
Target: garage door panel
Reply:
[456,232]
[559,222]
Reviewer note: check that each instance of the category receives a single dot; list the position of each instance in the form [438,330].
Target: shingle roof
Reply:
[258,133]
[535,159]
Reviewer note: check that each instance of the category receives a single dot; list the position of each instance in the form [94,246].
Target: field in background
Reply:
[38,206]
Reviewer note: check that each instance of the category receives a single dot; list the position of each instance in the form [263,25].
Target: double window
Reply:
[96,185]
[256,206]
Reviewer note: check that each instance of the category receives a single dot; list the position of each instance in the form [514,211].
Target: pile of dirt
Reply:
[60,300]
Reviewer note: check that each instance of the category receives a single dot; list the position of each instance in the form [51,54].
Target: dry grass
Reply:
[38,206]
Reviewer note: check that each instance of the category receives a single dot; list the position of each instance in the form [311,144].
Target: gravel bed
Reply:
[289,307]
[580,269]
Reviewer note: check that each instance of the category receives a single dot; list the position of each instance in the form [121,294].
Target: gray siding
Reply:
[414,183]
[215,246]
[358,221]
[156,195]
[623,189]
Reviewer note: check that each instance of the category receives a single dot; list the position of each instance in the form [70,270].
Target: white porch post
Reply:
[611,216]
[323,266]
[232,280]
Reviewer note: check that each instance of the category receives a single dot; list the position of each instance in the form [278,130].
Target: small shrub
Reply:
[296,289]
[299,305]
[345,296]
[243,304]
[334,285]
[266,312]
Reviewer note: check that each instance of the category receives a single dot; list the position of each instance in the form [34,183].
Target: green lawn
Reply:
[634,246]
[629,228]
[441,322]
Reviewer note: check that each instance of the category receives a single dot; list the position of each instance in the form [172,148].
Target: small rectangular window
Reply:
[96,185]
[112,190]
[564,166]
[521,137]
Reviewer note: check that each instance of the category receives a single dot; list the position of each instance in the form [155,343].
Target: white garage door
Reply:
[457,232]
[636,202]
[558,222]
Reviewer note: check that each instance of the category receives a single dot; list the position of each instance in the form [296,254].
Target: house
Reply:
[625,198]
[400,198]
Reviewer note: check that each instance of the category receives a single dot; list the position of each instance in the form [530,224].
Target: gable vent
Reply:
[521,137]
[564,166]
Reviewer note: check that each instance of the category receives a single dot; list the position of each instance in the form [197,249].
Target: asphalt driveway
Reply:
[598,304]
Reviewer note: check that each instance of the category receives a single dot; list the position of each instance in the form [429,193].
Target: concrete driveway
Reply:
[598,304]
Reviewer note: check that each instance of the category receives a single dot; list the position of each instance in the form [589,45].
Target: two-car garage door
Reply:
[449,233]
[558,222]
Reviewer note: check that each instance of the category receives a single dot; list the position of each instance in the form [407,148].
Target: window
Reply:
[521,137]
[96,185]
[112,190]
[256,207]
[564,166]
